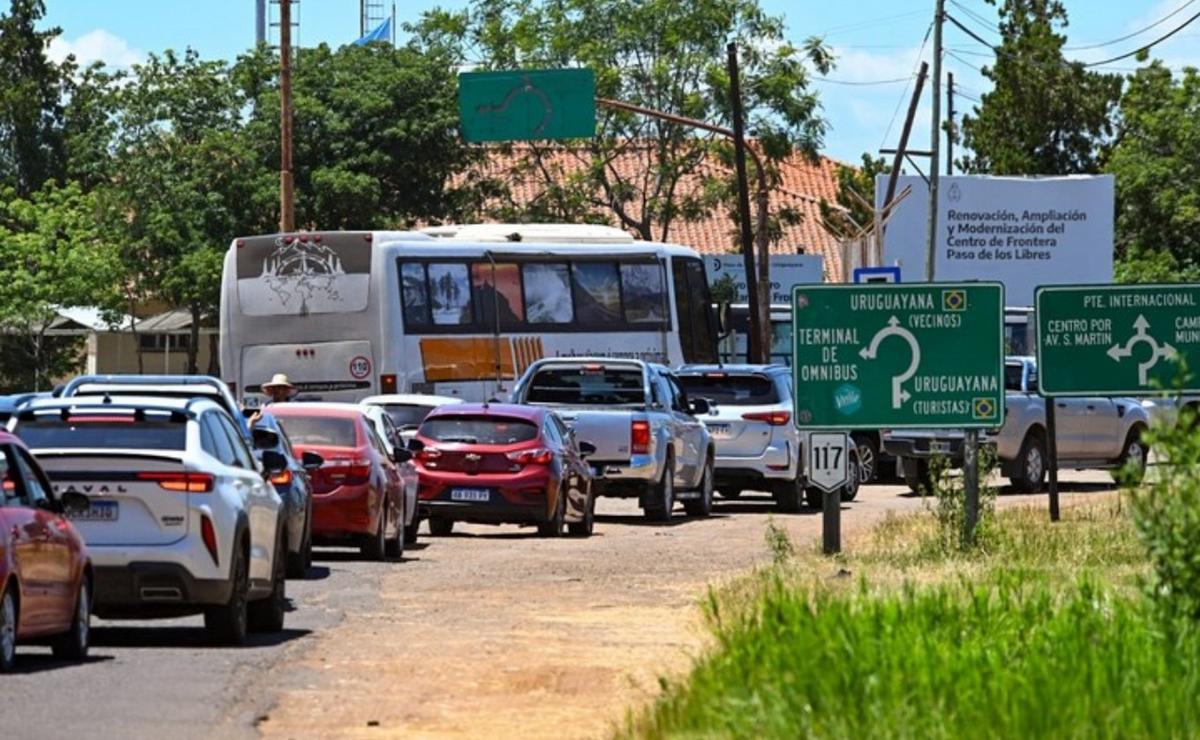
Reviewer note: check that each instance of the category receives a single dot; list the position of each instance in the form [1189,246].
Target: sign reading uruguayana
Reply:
[909,355]
[1122,340]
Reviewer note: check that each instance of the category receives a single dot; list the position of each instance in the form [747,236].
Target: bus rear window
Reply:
[103,433]
[587,386]
[327,431]
[483,430]
[304,273]
[731,390]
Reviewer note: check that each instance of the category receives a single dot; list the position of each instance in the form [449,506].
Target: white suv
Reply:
[181,519]
[758,445]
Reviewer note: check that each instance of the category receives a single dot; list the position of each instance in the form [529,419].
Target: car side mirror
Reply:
[415,445]
[264,439]
[586,449]
[311,461]
[74,503]
[401,455]
[273,462]
[699,406]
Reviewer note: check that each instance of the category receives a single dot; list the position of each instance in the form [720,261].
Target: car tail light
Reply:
[209,535]
[181,482]
[387,383]
[429,454]
[282,478]
[347,472]
[774,418]
[535,456]
[639,437]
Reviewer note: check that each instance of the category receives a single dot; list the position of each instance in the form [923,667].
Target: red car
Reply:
[499,463]
[358,496]
[45,573]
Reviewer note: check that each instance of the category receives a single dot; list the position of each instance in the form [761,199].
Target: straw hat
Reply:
[280,380]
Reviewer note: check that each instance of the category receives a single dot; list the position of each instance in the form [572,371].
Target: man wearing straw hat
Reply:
[279,388]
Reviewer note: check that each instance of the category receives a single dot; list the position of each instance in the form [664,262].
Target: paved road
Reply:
[492,630]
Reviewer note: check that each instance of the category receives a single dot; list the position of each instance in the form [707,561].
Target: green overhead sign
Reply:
[912,355]
[527,104]
[1117,340]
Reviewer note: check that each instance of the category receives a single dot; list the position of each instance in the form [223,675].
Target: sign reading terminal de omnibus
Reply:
[1119,340]
[902,355]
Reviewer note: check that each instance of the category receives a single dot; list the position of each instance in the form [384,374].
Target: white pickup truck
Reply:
[649,443]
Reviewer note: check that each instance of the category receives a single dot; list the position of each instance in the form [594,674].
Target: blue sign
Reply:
[877,274]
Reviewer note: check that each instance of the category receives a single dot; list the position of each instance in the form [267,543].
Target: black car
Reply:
[293,486]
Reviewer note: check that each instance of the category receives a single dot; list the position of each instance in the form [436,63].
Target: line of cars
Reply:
[157,496]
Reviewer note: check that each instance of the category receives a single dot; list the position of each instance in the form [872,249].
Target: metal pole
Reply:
[950,123]
[287,215]
[260,21]
[935,139]
[1052,452]
[754,348]
[971,485]
[831,522]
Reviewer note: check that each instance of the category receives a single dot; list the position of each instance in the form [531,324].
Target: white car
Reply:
[181,521]
[390,435]
[758,445]
[408,410]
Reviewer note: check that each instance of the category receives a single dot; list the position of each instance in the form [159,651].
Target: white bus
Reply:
[456,311]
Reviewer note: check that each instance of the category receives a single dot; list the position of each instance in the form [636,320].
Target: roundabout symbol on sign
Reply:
[360,367]
[893,329]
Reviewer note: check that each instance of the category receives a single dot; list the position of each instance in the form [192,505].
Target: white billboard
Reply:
[786,270]
[1022,231]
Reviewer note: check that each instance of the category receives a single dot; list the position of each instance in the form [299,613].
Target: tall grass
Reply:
[1006,658]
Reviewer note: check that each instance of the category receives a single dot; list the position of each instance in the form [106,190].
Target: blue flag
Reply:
[382,32]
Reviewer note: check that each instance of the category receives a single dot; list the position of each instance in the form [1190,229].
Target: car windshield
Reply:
[110,431]
[731,390]
[407,415]
[587,385]
[330,431]
[484,430]
[1012,377]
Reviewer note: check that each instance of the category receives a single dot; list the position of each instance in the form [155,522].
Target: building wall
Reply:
[117,353]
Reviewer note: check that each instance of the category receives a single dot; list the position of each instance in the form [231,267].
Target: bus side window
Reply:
[548,293]
[414,294]
[449,293]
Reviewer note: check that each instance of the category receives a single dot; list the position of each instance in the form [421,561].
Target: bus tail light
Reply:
[387,383]
[774,418]
[639,437]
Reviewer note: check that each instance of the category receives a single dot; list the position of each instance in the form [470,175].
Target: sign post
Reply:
[527,104]
[829,470]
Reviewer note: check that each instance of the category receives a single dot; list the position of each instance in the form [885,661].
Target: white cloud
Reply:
[93,46]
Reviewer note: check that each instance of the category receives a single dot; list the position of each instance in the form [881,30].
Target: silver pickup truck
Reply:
[1093,432]
[649,443]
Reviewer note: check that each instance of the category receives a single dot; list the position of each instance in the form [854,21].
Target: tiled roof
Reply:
[802,186]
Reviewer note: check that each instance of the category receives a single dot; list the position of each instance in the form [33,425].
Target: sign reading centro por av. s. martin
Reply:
[894,356]
[787,270]
[1022,231]
[1120,340]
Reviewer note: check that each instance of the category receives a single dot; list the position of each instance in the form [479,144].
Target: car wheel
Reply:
[8,631]
[440,526]
[728,492]
[702,507]
[554,527]
[789,494]
[918,477]
[73,644]
[868,458]
[855,477]
[662,495]
[1031,465]
[585,527]
[375,546]
[395,545]
[296,567]
[228,623]
[308,553]
[267,615]
[1133,460]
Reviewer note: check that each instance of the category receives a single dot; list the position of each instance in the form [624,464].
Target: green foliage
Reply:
[1002,658]
[856,196]
[31,111]
[779,543]
[724,290]
[1044,115]
[951,536]
[1157,171]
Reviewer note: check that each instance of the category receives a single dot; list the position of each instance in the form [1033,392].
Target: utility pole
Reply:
[755,350]
[950,124]
[287,216]
[902,150]
[934,139]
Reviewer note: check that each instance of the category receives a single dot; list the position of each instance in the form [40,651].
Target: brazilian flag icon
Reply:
[954,300]
[984,408]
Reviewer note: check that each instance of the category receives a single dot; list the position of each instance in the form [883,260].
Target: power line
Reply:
[904,94]
[860,25]
[983,22]
[865,82]
[1148,46]
[1128,36]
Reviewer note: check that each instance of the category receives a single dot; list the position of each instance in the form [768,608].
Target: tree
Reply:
[662,54]
[31,147]
[54,253]
[1156,170]
[1044,115]
[856,196]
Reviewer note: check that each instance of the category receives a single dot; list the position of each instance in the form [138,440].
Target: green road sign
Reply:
[914,355]
[527,104]
[1117,340]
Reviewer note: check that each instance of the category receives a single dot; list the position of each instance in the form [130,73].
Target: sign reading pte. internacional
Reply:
[1119,340]
[915,355]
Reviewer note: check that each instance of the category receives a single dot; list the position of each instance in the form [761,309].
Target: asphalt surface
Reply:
[161,679]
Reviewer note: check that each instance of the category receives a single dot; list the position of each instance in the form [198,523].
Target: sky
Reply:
[878,45]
